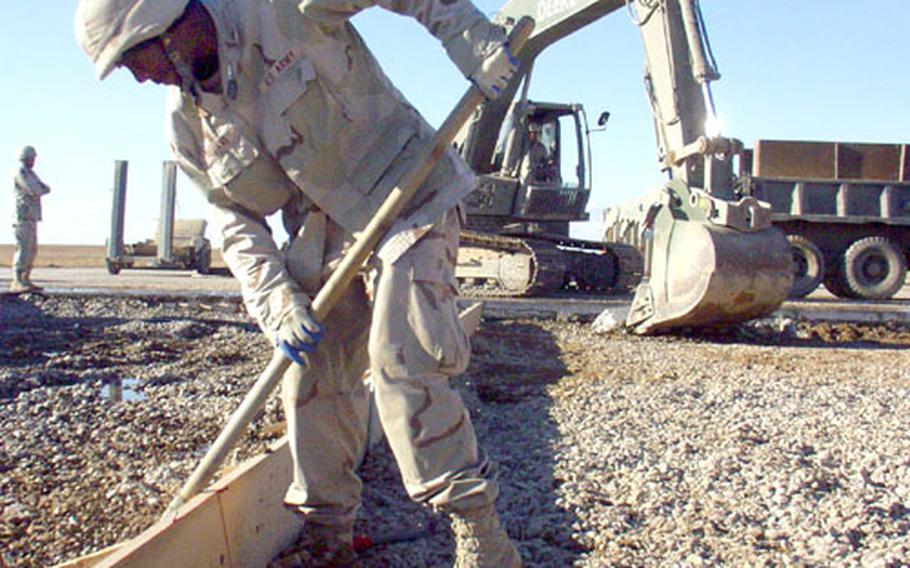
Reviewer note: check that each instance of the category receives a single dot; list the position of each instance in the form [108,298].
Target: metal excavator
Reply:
[699,253]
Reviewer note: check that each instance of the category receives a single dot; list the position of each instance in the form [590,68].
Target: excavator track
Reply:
[597,267]
[503,266]
[515,265]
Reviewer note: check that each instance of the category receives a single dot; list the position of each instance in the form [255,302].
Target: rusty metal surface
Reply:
[831,160]
[708,275]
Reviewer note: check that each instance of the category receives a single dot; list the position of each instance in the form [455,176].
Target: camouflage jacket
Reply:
[307,119]
[28,189]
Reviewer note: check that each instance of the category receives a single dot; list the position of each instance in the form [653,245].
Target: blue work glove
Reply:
[298,334]
[495,71]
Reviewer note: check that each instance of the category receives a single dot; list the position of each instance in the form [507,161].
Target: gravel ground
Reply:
[774,443]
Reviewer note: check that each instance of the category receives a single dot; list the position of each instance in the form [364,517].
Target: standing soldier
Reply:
[28,189]
[278,105]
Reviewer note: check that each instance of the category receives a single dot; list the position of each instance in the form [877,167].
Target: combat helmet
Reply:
[27,152]
[105,29]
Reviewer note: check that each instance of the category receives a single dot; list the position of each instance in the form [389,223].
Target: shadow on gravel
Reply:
[805,334]
[38,349]
[33,344]
[513,363]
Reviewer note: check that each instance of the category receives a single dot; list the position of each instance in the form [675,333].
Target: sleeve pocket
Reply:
[227,153]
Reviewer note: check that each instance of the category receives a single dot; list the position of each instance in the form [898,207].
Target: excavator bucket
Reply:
[707,261]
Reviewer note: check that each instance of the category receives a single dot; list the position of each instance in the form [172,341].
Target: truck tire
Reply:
[837,285]
[874,268]
[808,265]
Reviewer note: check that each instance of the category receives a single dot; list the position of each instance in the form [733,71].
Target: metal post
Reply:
[166,222]
[115,243]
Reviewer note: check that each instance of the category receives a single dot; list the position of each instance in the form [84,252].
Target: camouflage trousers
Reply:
[409,341]
[26,245]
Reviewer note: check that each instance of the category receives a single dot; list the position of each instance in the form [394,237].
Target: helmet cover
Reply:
[106,29]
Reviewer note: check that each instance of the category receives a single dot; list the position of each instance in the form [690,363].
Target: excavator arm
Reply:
[709,256]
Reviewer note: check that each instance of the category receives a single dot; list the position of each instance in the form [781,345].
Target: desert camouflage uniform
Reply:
[308,124]
[28,189]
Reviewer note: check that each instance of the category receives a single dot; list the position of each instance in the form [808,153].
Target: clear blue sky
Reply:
[810,70]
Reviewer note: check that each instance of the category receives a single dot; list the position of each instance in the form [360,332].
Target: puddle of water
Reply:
[122,390]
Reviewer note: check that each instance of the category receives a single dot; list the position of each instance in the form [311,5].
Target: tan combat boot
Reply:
[481,543]
[19,283]
[27,278]
[320,546]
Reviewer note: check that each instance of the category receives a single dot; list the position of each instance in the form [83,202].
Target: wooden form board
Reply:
[239,521]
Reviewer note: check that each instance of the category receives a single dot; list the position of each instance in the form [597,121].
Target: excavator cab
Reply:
[539,176]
